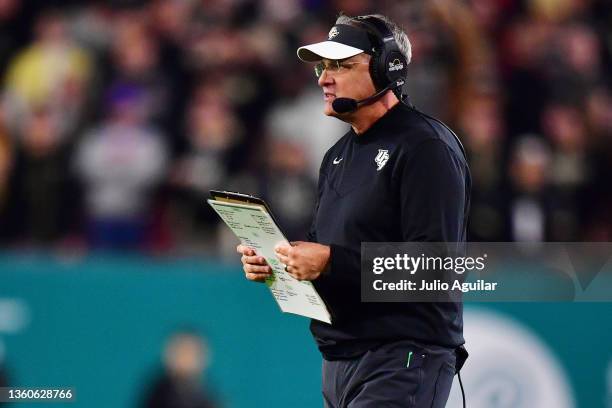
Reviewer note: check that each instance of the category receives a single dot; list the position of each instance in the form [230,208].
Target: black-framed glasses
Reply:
[335,66]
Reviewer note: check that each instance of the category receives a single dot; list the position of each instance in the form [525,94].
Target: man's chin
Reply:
[329,110]
[345,117]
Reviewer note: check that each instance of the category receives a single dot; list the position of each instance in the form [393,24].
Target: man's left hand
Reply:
[304,260]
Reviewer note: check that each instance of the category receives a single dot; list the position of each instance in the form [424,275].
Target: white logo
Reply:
[337,160]
[510,366]
[332,33]
[396,65]
[381,158]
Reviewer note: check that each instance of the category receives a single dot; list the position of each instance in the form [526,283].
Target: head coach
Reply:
[397,175]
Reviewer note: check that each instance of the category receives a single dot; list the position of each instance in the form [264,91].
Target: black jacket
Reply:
[404,179]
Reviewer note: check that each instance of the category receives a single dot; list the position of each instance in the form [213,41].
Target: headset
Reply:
[388,66]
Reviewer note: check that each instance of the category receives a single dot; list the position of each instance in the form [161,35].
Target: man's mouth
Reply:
[328,96]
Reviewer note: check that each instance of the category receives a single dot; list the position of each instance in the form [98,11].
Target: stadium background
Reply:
[117,117]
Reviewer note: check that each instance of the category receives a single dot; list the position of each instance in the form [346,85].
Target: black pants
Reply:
[393,375]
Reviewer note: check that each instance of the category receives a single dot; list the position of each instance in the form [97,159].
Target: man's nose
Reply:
[325,78]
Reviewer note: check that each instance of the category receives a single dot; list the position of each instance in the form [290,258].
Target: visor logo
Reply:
[333,33]
[381,158]
[396,65]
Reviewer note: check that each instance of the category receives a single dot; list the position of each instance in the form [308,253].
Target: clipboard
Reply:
[241,198]
[251,220]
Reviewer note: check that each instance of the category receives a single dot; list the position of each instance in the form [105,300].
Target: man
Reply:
[397,175]
[179,385]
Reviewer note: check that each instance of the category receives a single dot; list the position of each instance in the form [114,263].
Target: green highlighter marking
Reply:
[409,358]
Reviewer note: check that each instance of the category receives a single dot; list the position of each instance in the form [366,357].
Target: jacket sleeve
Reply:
[311,235]
[336,287]
[433,199]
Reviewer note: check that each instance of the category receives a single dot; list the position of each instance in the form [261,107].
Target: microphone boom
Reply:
[346,105]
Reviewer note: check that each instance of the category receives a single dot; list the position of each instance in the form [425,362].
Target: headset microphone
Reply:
[346,105]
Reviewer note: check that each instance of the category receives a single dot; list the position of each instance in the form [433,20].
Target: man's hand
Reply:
[255,267]
[304,260]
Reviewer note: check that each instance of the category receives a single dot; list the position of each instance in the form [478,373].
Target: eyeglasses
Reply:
[334,66]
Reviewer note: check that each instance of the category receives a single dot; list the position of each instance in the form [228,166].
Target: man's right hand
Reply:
[255,267]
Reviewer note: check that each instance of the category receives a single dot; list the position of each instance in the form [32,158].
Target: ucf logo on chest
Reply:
[381,159]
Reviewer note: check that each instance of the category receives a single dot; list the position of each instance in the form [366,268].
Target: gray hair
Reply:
[398,33]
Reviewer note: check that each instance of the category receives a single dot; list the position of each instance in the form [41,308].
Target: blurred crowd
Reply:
[117,117]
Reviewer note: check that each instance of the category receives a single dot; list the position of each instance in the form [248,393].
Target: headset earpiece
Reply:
[377,78]
[388,64]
